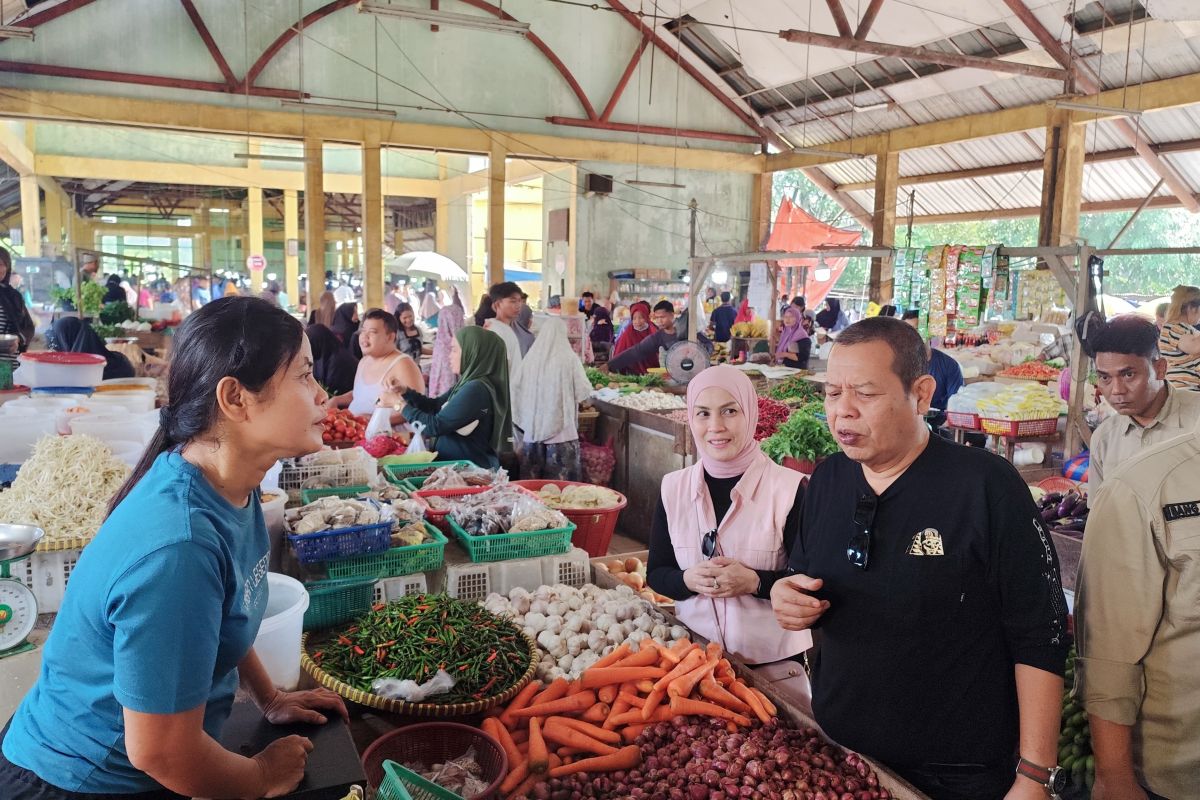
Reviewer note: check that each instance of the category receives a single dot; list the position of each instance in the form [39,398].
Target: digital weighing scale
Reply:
[18,606]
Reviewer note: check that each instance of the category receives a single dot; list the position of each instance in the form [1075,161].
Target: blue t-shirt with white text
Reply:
[163,604]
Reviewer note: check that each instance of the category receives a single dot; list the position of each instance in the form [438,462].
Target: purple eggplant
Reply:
[1050,513]
[1080,509]
[1068,503]
[1053,498]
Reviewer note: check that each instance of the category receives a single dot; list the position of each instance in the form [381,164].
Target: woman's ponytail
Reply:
[245,338]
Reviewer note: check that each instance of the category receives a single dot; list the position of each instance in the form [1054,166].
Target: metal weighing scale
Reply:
[18,606]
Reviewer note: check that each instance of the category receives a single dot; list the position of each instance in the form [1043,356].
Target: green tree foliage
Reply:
[1148,275]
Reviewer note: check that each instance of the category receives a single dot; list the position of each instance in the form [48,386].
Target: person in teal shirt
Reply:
[157,626]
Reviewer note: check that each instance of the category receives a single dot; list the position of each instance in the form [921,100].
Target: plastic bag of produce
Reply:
[599,461]
[412,692]
[417,445]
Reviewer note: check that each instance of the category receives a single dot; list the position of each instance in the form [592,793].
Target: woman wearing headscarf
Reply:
[429,304]
[547,388]
[441,374]
[794,346]
[113,291]
[639,329]
[334,366]
[724,527]
[409,339]
[14,314]
[324,313]
[523,328]
[601,332]
[73,335]
[832,319]
[471,422]
[744,314]
[345,323]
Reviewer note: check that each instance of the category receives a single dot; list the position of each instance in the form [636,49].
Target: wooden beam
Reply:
[1122,154]
[84,168]
[883,231]
[1090,83]
[924,54]
[848,203]
[868,19]
[1062,180]
[228,119]
[1099,207]
[1183,90]
[15,152]
[760,212]
[839,17]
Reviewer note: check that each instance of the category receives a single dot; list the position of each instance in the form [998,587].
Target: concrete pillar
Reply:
[254,238]
[441,218]
[203,241]
[1062,179]
[291,237]
[314,218]
[495,233]
[883,228]
[372,224]
[54,221]
[31,217]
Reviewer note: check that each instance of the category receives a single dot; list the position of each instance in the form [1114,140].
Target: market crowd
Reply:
[911,576]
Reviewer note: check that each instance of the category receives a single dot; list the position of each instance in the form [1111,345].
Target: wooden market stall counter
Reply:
[778,682]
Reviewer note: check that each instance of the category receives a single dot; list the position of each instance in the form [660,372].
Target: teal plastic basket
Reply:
[406,560]
[505,546]
[336,601]
[404,784]
[309,495]
[399,472]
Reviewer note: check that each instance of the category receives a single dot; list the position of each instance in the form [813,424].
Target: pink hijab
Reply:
[734,381]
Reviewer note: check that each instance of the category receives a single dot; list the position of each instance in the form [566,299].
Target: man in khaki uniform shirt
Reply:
[1132,377]
[1137,621]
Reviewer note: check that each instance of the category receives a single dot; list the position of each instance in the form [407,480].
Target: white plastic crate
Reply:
[523,572]
[355,468]
[571,568]
[395,588]
[46,574]
[468,581]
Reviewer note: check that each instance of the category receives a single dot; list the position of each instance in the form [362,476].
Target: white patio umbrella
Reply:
[430,263]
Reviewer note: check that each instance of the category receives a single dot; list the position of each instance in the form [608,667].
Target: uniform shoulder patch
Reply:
[1176,511]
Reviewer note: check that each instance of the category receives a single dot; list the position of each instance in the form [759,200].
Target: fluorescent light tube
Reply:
[1072,105]
[267,157]
[660,184]
[445,18]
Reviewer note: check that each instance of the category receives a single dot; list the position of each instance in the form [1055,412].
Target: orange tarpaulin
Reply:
[797,230]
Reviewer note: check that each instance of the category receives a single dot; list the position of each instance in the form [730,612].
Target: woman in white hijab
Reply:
[547,389]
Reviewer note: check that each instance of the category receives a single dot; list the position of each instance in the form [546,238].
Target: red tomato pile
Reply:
[771,414]
[1032,370]
[342,426]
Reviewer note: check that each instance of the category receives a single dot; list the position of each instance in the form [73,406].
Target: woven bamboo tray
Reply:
[436,710]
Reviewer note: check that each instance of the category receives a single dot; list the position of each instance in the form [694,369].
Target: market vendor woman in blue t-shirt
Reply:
[158,623]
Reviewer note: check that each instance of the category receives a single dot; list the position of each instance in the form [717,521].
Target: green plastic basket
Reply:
[309,495]
[505,546]
[399,472]
[406,560]
[336,601]
[404,784]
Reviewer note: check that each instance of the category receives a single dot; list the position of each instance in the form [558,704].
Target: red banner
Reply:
[797,230]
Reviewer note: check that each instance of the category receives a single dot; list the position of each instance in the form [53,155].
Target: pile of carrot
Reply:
[590,725]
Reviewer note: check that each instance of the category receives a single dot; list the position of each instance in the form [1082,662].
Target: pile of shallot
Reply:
[691,758]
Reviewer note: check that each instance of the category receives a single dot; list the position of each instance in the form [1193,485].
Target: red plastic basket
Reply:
[438,518]
[1019,427]
[594,527]
[963,420]
[432,743]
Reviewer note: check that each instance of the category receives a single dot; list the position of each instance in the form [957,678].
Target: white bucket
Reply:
[278,640]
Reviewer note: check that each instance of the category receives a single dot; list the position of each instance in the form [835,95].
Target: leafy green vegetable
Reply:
[804,437]
[795,388]
[91,294]
[600,380]
[116,313]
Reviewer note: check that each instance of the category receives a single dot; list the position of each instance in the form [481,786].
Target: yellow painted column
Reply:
[372,224]
[760,211]
[54,221]
[31,217]
[441,218]
[883,233]
[254,224]
[291,238]
[572,228]
[204,239]
[495,230]
[314,218]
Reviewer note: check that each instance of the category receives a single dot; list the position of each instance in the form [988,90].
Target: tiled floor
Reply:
[625,544]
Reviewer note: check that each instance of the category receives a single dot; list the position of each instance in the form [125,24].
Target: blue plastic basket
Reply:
[56,390]
[361,540]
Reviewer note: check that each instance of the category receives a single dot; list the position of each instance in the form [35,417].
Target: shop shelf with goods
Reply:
[648,285]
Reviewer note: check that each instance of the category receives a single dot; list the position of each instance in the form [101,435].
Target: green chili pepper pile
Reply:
[416,636]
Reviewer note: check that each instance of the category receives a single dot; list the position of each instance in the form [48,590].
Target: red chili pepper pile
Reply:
[1032,370]
[771,414]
